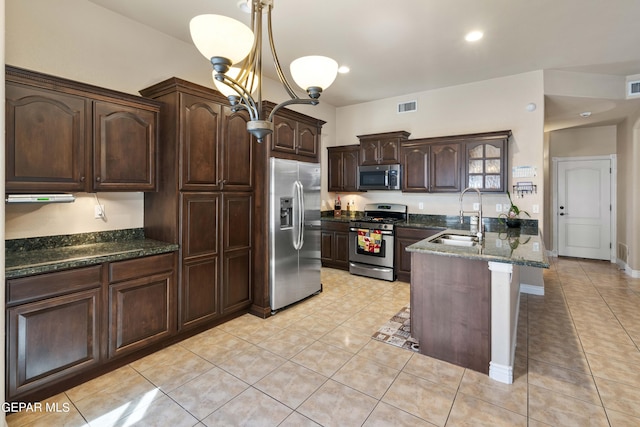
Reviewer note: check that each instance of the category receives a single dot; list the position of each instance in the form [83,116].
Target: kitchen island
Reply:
[465,297]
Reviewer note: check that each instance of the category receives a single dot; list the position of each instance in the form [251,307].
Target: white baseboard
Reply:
[531,289]
[501,373]
[628,270]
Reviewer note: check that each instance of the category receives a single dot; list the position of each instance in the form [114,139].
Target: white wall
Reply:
[576,142]
[490,105]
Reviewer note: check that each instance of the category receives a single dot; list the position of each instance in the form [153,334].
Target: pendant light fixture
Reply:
[227,42]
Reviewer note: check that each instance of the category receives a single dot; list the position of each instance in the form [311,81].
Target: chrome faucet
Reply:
[478,212]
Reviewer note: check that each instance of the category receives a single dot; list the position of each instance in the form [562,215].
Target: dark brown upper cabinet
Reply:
[381,148]
[343,168]
[451,163]
[295,135]
[486,163]
[63,135]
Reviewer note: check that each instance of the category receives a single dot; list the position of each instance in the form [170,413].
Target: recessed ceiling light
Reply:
[343,69]
[585,114]
[473,36]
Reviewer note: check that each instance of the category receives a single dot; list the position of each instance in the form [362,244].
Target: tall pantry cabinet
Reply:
[205,200]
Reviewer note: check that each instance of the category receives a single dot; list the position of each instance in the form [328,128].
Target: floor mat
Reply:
[397,331]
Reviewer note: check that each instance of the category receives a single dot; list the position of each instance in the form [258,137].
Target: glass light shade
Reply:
[310,71]
[233,73]
[217,35]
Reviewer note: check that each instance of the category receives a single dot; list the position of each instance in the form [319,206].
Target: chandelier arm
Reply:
[250,104]
[281,75]
[291,102]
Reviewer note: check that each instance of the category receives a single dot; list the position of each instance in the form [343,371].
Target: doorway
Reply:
[584,207]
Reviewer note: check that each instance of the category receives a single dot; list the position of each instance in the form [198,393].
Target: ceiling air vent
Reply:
[634,88]
[407,107]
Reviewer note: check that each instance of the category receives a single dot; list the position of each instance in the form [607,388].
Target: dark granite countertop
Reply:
[25,257]
[440,222]
[509,245]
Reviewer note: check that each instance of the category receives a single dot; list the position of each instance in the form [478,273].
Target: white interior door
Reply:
[584,208]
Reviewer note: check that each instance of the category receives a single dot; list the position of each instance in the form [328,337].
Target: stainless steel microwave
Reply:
[379,177]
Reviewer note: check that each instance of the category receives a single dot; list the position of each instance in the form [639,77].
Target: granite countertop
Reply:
[511,246]
[25,257]
[439,222]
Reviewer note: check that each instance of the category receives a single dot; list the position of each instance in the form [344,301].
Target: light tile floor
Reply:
[578,364]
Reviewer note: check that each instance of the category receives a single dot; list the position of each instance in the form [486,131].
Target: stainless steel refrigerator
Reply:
[294,231]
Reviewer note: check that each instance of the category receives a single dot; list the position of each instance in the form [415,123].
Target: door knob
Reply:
[561,207]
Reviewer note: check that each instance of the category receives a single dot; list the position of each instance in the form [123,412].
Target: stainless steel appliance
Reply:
[294,231]
[372,241]
[379,177]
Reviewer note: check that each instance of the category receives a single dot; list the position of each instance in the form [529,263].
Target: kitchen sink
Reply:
[455,240]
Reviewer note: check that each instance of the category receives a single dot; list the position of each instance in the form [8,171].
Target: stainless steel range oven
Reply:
[372,241]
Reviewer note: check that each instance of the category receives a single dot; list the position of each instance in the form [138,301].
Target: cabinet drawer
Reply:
[140,267]
[32,288]
[335,226]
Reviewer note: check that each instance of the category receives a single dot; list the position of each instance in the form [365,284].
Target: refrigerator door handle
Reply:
[302,215]
[298,215]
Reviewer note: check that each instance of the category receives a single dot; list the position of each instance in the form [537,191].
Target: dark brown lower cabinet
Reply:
[334,244]
[406,236]
[67,326]
[141,302]
[53,332]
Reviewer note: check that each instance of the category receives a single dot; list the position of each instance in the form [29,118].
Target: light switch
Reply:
[498,207]
[476,206]
[536,209]
[421,206]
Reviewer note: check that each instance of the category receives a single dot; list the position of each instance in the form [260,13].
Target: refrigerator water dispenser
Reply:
[286,212]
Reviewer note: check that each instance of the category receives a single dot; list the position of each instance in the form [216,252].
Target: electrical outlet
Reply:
[476,206]
[421,206]
[498,207]
[98,211]
[536,208]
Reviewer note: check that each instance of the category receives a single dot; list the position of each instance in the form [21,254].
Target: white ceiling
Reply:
[404,46]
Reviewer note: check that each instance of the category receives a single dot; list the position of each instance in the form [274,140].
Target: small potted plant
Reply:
[512,217]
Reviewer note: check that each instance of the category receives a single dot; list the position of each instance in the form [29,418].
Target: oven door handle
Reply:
[383,232]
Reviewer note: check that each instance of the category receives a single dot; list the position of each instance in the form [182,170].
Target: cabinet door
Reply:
[369,152]
[335,169]
[445,168]
[141,302]
[124,148]
[199,152]
[45,140]
[341,249]
[326,246]
[52,339]
[407,237]
[237,231]
[415,172]
[389,151]
[284,135]
[485,166]
[307,140]
[350,160]
[237,152]
[200,285]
